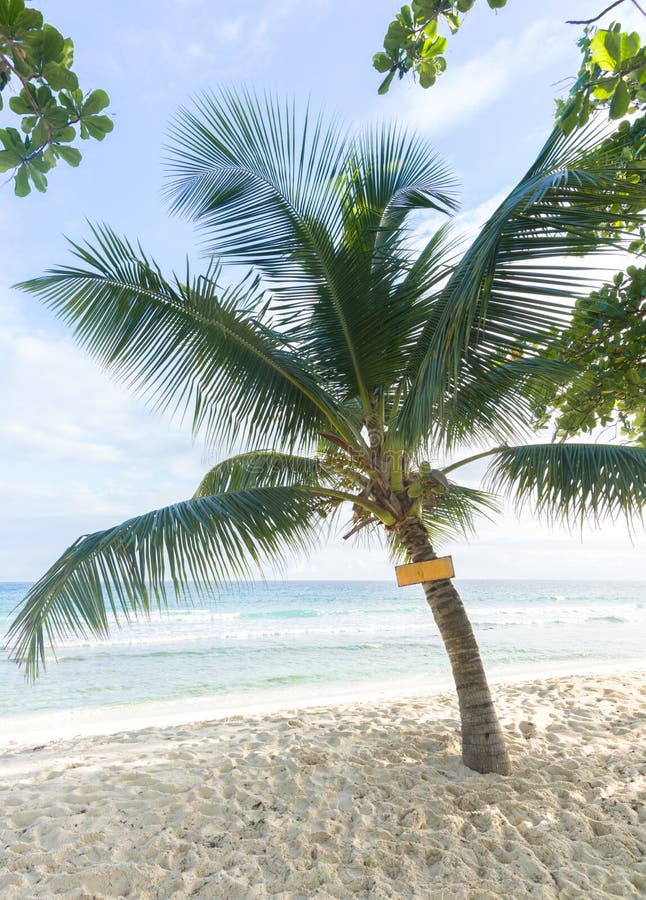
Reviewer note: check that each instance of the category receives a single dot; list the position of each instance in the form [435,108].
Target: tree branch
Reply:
[7,63]
[601,14]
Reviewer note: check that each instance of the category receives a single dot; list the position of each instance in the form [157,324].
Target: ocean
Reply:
[282,643]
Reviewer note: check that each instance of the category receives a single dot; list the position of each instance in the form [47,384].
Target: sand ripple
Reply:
[363,801]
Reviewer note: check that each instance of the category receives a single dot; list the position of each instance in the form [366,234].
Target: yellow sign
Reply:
[429,570]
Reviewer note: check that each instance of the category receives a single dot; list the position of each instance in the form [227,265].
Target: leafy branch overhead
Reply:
[413,42]
[36,66]
[606,345]
[612,73]
[606,337]
[612,76]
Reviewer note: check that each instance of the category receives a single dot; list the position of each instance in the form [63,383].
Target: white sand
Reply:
[366,800]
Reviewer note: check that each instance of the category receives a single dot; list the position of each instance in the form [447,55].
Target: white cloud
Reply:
[230,29]
[73,410]
[181,39]
[480,83]
[74,444]
[66,441]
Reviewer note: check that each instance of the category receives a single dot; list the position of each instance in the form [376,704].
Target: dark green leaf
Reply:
[94,103]
[9,159]
[66,134]
[21,181]
[37,176]
[70,154]
[53,43]
[382,62]
[60,77]
[620,100]
[385,84]
[97,126]
[29,19]
[21,104]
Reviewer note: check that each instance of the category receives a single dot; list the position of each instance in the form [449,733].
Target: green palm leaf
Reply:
[512,288]
[263,469]
[388,175]
[196,543]
[189,346]
[319,215]
[496,402]
[454,514]
[263,184]
[258,179]
[574,483]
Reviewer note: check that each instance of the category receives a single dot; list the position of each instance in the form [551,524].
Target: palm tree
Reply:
[354,367]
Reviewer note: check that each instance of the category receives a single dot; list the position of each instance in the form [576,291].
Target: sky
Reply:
[77,452]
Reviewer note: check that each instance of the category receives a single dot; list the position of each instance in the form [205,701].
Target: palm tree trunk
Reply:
[483,743]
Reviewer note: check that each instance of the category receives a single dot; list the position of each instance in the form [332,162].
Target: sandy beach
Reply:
[361,800]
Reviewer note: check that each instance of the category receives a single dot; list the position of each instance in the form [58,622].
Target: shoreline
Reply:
[21,733]
[369,800]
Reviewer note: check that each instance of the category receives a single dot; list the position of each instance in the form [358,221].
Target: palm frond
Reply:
[453,517]
[454,514]
[263,469]
[321,216]
[197,543]
[496,402]
[258,178]
[388,175]
[573,483]
[189,346]
[265,185]
[512,288]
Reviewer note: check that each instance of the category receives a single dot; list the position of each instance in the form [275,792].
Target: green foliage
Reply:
[413,43]
[511,292]
[612,77]
[606,345]
[606,337]
[36,61]
[347,364]
[320,233]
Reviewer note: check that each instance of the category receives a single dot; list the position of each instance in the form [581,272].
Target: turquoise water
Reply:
[278,637]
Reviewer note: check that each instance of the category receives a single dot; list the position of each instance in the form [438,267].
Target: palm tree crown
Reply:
[353,365]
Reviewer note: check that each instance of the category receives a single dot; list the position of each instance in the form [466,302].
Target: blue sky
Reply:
[78,452]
